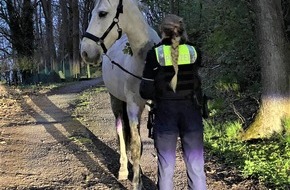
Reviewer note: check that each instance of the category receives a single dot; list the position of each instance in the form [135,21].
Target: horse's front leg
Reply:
[120,112]
[123,171]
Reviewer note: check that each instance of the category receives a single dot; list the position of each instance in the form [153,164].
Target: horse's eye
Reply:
[102,14]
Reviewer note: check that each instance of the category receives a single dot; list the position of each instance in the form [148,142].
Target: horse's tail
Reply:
[126,126]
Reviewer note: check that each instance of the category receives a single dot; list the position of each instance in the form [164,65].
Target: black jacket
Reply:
[156,78]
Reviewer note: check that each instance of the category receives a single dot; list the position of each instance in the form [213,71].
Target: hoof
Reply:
[123,175]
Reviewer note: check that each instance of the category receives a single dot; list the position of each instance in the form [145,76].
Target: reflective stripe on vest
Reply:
[187,55]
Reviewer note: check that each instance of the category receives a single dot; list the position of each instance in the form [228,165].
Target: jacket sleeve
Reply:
[198,61]
[199,57]
[147,85]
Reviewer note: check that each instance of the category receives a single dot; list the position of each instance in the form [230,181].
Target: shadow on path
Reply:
[51,116]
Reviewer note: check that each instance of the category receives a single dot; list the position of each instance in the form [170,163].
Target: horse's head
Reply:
[103,30]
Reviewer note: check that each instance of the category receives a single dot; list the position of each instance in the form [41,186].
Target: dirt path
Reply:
[44,146]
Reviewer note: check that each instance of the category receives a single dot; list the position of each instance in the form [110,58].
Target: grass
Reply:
[267,161]
[81,139]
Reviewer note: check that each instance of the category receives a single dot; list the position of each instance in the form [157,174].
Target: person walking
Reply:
[170,78]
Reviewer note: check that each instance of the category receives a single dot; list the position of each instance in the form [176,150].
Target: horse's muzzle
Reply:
[90,54]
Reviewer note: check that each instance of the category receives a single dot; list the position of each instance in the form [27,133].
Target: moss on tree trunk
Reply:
[269,119]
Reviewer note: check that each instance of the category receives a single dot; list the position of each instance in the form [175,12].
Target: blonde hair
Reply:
[173,27]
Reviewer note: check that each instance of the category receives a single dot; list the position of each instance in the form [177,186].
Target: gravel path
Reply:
[54,145]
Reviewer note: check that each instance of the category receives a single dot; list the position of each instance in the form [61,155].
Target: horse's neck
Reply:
[137,30]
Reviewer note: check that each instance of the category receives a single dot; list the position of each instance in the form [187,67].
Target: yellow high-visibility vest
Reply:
[187,55]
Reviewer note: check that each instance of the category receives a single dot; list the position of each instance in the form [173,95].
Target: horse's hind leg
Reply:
[121,117]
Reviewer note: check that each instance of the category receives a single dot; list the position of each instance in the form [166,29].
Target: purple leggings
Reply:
[173,119]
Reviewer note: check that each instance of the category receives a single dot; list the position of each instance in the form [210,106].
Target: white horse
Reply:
[110,19]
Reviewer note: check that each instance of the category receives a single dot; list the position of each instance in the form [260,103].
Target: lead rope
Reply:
[122,68]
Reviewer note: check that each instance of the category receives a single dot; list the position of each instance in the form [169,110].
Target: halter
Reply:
[100,41]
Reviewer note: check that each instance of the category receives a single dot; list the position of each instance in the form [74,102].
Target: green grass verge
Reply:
[265,160]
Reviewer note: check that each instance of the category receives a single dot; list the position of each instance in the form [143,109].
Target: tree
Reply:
[20,21]
[19,18]
[75,37]
[273,53]
[63,30]
[50,55]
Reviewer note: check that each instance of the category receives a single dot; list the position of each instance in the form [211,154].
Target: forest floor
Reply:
[47,142]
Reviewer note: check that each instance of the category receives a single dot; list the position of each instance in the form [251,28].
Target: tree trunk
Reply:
[76,38]
[172,10]
[63,30]
[70,34]
[51,53]
[88,7]
[38,52]
[273,57]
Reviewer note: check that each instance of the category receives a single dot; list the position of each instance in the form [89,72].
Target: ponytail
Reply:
[174,57]
[173,27]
